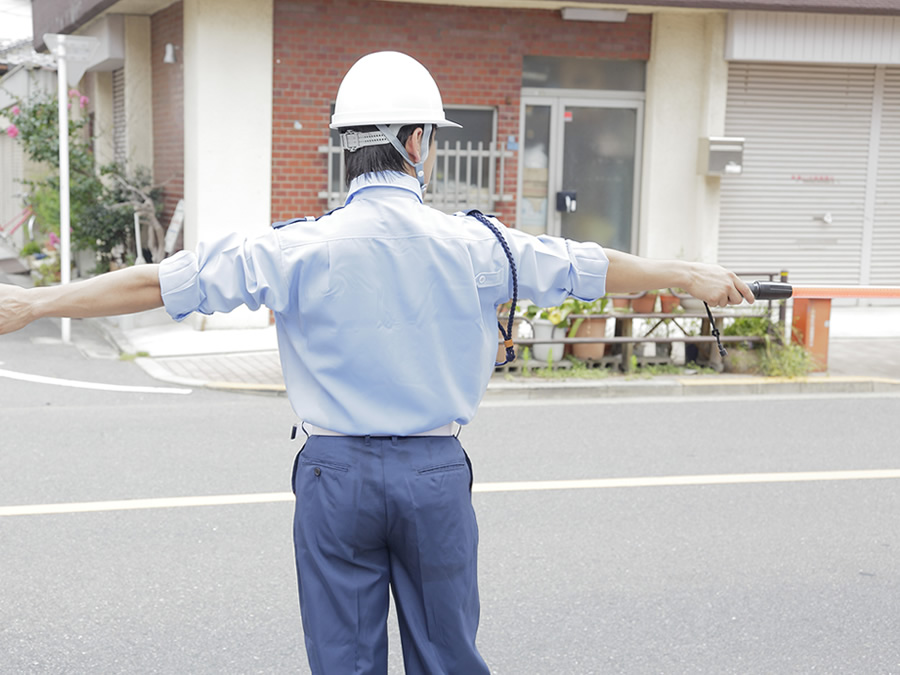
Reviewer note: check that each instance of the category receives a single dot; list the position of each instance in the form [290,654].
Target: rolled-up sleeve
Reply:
[550,268]
[224,274]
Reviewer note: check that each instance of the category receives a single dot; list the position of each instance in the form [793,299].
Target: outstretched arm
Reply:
[134,289]
[711,283]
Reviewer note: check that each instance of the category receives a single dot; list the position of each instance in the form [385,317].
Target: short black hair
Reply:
[377,158]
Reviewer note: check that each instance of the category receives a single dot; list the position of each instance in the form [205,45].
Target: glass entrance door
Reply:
[580,168]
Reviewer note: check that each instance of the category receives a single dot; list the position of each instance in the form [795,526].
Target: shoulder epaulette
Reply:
[281,224]
[306,219]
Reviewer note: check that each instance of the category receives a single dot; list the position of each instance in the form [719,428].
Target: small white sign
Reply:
[77,50]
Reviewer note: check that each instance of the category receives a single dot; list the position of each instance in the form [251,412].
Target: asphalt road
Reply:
[779,575]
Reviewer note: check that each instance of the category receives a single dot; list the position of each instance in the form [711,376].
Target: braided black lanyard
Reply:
[715,331]
[505,332]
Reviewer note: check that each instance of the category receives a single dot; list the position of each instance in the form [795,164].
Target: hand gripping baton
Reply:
[762,290]
[771,290]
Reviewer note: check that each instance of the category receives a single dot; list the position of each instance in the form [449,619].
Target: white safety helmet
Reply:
[388,90]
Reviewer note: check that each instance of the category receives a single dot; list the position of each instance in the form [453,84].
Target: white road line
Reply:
[137,504]
[678,399]
[59,382]
[673,481]
[512,486]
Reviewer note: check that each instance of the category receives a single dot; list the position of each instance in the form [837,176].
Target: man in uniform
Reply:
[386,321]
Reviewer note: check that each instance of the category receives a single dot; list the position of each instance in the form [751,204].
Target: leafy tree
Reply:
[102,204]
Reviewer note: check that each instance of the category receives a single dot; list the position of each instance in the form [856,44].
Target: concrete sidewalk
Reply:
[864,356]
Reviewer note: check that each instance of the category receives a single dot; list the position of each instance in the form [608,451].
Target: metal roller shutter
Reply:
[120,154]
[885,268]
[799,204]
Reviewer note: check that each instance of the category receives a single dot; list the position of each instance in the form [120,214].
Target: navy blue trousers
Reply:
[380,513]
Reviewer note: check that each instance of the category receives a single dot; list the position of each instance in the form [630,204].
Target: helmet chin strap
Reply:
[391,133]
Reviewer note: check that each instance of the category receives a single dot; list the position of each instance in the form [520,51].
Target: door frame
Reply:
[557,100]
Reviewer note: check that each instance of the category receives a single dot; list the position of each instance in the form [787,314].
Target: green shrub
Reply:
[101,206]
[787,360]
[30,248]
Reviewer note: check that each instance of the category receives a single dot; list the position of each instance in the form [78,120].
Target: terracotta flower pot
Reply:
[645,304]
[591,327]
[668,302]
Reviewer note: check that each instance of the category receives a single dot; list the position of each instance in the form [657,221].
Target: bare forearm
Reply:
[134,289]
[712,283]
[630,274]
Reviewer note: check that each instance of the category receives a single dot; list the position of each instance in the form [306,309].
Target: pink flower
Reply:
[15,110]
[53,240]
[74,92]
[12,131]
[83,101]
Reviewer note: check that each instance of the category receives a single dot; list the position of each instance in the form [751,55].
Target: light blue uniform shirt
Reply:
[386,309]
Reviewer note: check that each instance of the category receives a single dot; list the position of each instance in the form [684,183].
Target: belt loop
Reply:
[393,440]
[303,429]
[368,439]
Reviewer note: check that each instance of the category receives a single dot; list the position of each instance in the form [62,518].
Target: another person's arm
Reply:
[134,289]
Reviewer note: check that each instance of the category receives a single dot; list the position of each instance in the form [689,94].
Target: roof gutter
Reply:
[63,16]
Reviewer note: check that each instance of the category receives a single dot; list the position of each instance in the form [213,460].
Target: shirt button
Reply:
[317,471]
[482,279]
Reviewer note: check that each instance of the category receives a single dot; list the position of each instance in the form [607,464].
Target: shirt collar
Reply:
[384,179]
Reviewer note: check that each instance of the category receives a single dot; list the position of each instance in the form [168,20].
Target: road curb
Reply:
[658,387]
[158,371]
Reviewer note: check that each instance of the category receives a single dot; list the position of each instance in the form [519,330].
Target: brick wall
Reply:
[168,107]
[474,54]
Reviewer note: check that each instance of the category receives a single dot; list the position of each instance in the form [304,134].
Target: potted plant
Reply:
[585,324]
[548,323]
[687,301]
[668,301]
[645,303]
[620,302]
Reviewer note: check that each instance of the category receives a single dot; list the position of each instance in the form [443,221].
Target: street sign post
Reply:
[73,55]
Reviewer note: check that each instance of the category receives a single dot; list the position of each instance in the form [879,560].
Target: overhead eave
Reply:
[67,16]
[869,7]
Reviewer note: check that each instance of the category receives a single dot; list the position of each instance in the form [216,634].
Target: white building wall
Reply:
[228,47]
[687,82]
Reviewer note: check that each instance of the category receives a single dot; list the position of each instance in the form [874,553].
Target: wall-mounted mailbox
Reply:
[566,201]
[721,156]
